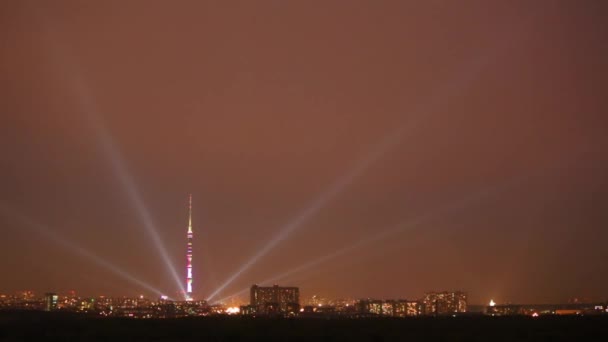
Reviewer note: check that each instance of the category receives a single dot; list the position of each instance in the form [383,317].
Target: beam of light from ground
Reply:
[409,225]
[61,241]
[446,209]
[452,89]
[90,109]
[128,184]
[403,226]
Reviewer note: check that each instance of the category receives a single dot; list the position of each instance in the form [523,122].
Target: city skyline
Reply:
[359,151]
[285,301]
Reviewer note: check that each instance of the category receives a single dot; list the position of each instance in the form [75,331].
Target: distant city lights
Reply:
[233,310]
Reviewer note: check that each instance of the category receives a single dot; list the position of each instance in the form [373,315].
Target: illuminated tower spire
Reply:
[189,254]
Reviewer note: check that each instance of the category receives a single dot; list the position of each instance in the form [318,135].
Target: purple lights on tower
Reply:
[189,253]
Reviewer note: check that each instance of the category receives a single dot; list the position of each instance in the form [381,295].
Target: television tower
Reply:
[189,253]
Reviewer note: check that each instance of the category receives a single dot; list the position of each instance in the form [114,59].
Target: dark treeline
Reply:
[21,326]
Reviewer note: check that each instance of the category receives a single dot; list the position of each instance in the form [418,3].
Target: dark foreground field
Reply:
[28,326]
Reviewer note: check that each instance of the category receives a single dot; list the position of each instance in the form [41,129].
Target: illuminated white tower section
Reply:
[189,254]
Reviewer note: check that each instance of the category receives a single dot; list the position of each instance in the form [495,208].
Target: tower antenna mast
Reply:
[189,253]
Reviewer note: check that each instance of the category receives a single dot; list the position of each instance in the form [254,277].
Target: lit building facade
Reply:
[391,308]
[445,303]
[50,301]
[370,306]
[275,299]
[407,308]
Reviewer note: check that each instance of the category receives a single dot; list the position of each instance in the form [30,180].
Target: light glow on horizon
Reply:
[233,310]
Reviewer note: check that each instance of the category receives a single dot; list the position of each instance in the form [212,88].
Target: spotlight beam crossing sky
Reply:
[457,84]
[51,235]
[68,67]
[407,225]
[303,129]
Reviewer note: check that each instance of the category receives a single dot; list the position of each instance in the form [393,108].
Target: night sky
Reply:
[429,145]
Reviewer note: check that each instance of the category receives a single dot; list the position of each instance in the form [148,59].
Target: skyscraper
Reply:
[189,253]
